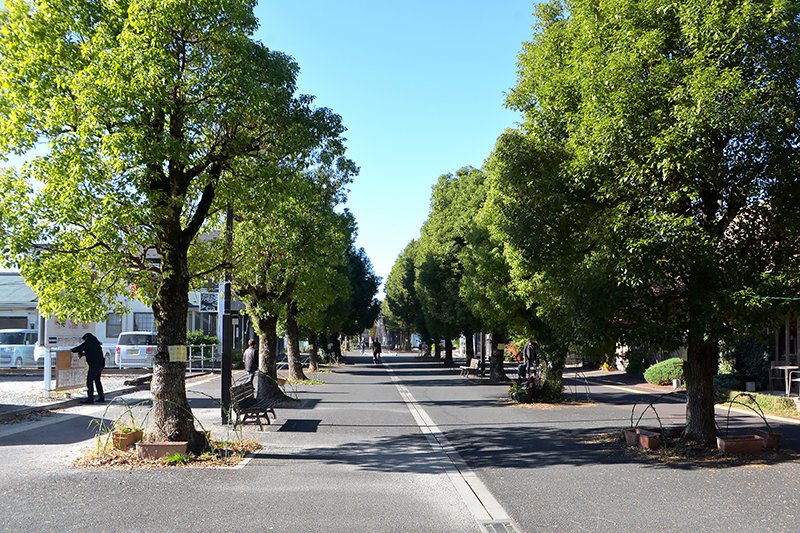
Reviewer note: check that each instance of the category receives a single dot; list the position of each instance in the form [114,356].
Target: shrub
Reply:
[664,372]
[635,366]
[727,382]
[198,337]
[751,360]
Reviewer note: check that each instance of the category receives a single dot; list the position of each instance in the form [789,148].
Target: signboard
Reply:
[209,302]
[177,353]
[67,332]
[70,370]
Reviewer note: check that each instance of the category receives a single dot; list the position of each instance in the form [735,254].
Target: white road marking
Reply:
[476,496]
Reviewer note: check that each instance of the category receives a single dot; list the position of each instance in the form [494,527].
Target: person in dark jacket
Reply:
[376,351]
[93,350]
[530,355]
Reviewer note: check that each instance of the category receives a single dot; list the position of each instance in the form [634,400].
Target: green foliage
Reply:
[636,365]
[769,404]
[401,308]
[200,337]
[177,458]
[664,372]
[726,382]
[440,255]
[751,360]
[644,197]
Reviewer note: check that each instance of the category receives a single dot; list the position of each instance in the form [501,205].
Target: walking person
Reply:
[530,356]
[92,349]
[376,351]
[250,360]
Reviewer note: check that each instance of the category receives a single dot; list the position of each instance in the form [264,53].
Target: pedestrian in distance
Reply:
[92,349]
[376,351]
[249,357]
[530,356]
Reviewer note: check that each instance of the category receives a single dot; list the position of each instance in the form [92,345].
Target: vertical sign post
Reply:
[227,329]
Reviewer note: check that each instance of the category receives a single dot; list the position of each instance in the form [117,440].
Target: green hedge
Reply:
[664,372]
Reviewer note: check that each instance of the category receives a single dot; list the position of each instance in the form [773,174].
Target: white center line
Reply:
[476,496]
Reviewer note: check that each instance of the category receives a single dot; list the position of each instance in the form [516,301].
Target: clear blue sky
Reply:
[420,87]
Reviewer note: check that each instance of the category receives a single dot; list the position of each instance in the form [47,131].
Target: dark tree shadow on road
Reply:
[512,448]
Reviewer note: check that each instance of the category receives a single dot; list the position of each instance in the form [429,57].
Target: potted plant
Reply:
[125,435]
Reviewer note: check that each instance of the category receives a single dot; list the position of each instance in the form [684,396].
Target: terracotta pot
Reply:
[740,444]
[649,440]
[631,436]
[124,440]
[157,450]
[771,441]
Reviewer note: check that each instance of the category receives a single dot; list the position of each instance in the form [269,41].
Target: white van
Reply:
[135,349]
[17,346]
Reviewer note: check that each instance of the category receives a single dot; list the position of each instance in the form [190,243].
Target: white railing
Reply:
[203,357]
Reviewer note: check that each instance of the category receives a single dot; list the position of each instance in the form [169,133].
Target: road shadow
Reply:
[59,428]
[513,448]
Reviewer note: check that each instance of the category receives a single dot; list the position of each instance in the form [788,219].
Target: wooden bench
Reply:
[473,366]
[245,404]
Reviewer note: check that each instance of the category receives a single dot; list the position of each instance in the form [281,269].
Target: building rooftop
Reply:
[14,291]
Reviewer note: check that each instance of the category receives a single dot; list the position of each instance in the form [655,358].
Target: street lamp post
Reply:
[227,328]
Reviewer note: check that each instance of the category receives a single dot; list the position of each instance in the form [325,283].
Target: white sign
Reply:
[67,332]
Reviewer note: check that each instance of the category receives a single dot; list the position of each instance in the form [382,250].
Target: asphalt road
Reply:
[406,446]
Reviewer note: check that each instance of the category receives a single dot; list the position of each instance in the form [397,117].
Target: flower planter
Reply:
[649,440]
[124,440]
[157,450]
[631,436]
[740,444]
[770,441]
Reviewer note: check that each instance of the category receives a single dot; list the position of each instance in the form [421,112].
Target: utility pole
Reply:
[227,328]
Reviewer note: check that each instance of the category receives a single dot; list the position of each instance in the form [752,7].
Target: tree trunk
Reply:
[268,358]
[407,340]
[469,350]
[172,416]
[497,371]
[699,371]
[448,352]
[293,348]
[437,350]
[313,365]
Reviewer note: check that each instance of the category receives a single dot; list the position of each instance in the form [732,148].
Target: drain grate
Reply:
[502,526]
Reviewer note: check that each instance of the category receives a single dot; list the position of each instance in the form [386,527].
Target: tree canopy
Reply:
[645,193]
[154,115]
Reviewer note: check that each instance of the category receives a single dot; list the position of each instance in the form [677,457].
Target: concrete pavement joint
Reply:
[486,510]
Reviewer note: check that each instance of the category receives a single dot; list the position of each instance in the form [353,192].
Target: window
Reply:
[113,325]
[144,322]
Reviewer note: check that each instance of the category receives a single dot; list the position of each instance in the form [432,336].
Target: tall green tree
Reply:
[455,202]
[149,110]
[286,246]
[646,190]
[401,309]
